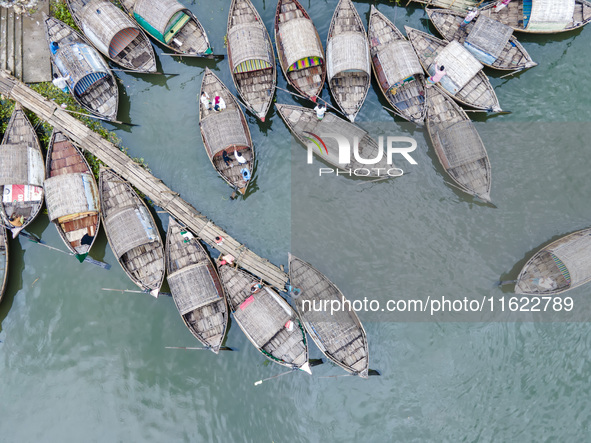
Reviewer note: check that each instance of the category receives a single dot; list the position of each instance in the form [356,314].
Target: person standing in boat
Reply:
[500,5]
[205,100]
[60,82]
[436,78]
[471,16]
[320,110]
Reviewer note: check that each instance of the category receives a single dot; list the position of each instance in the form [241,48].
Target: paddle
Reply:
[100,118]
[488,111]
[223,348]
[506,282]
[167,294]
[312,363]
[144,72]
[87,259]
[209,56]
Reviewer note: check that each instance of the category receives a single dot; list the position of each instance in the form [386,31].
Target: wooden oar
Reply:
[167,294]
[312,363]
[100,118]
[209,56]
[507,282]
[87,259]
[488,111]
[223,348]
[144,72]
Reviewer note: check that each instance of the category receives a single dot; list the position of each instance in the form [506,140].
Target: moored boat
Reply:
[397,68]
[299,48]
[71,195]
[114,34]
[21,173]
[132,232]
[266,319]
[339,335]
[251,57]
[225,133]
[491,42]
[465,81]
[562,265]
[195,287]
[171,24]
[347,59]
[3,260]
[310,131]
[542,16]
[457,144]
[460,5]
[90,80]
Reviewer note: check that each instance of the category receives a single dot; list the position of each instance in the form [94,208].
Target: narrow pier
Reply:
[145,182]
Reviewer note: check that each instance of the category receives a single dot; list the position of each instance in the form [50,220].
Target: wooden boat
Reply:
[114,34]
[251,57]
[90,80]
[171,24]
[397,68]
[562,265]
[195,287]
[339,336]
[226,132]
[306,127]
[459,5]
[132,232]
[458,145]
[266,319]
[299,48]
[3,260]
[490,41]
[71,195]
[465,81]
[21,173]
[347,59]
[542,16]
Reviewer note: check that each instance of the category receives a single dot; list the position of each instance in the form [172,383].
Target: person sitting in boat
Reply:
[226,158]
[218,103]
[53,47]
[320,110]
[500,5]
[436,78]
[471,16]
[205,100]
[245,174]
[239,157]
[17,220]
[255,287]
[60,82]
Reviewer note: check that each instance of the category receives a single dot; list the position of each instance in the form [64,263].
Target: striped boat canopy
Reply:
[68,194]
[347,52]
[223,130]
[399,61]
[20,165]
[300,41]
[193,287]
[82,64]
[460,65]
[250,49]
[487,39]
[107,27]
[130,227]
[574,255]
[550,15]
[159,13]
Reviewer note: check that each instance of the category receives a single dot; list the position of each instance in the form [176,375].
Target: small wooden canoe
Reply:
[224,133]
[397,68]
[251,57]
[195,287]
[21,173]
[542,16]
[306,127]
[347,59]
[171,24]
[71,195]
[459,5]
[458,145]
[339,336]
[490,41]
[299,48]
[114,34]
[266,319]
[465,81]
[132,232]
[90,80]
[3,260]
[562,265]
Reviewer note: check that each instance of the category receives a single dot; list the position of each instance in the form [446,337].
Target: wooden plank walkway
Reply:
[145,182]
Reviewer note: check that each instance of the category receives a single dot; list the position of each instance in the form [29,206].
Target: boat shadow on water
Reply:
[14,284]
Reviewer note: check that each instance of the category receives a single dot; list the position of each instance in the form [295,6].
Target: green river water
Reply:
[81,364]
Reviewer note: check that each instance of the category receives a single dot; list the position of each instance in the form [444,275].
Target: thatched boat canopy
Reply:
[460,65]
[223,130]
[347,52]
[161,18]
[488,39]
[21,164]
[250,48]
[109,29]
[548,15]
[128,228]
[69,194]
[573,258]
[84,66]
[301,47]
[183,283]
[399,61]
